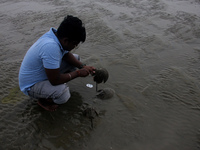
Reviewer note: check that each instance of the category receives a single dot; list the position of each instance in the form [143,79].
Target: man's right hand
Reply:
[83,72]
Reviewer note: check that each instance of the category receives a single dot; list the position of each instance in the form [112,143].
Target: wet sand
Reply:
[151,50]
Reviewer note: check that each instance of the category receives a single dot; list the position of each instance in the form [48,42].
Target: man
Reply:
[49,64]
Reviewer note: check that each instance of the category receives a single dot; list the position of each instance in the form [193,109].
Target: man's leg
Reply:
[66,67]
[50,96]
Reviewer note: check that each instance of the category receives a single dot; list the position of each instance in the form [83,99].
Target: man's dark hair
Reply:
[72,28]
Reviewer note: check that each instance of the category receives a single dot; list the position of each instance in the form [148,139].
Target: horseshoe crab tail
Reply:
[96,86]
[92,126]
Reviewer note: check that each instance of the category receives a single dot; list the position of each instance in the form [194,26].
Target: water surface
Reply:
[151,49]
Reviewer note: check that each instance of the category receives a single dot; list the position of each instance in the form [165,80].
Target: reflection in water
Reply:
[28,126]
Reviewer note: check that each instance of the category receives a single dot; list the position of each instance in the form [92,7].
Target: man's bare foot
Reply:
[47,104]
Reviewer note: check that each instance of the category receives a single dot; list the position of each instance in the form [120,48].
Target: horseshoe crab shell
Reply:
[90,113]
[101,75]
[105,93]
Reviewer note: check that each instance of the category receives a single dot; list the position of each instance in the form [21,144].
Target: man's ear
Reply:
[65,40]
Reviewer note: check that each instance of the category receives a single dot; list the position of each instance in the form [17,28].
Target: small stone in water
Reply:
[89,85]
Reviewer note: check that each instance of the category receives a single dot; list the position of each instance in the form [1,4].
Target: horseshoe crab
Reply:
[105,93]
[90,113]
[101,75]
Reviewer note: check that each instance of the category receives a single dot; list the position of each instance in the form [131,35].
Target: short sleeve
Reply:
[51,56]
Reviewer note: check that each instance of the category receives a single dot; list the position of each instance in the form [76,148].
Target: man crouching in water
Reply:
[48,65]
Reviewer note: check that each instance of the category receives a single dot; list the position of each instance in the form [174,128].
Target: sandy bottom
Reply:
[152,52]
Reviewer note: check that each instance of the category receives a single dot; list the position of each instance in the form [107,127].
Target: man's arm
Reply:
[56,78]
[69,57]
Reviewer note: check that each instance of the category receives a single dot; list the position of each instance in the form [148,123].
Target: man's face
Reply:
[69,45]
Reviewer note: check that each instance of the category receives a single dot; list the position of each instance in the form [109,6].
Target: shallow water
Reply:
[151,49]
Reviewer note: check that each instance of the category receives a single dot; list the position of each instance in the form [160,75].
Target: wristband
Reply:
[70,76]
[78,72]
[82,65]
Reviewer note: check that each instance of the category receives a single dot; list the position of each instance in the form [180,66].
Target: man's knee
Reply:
[66,67]
[77,57]
[62,95]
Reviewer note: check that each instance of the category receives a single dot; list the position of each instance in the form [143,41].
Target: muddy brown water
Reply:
[151,49]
